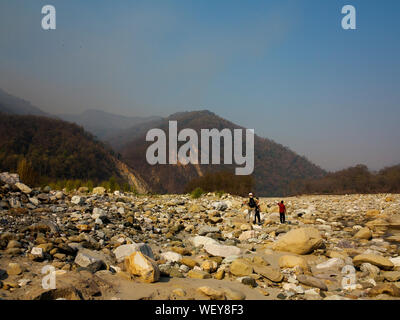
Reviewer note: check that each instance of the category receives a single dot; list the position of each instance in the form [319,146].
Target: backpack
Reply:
[252,203]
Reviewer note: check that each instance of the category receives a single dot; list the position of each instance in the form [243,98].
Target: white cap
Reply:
[250,194]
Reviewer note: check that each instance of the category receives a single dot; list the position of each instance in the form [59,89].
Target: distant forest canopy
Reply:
[46,150]
[222,181]
[357,179]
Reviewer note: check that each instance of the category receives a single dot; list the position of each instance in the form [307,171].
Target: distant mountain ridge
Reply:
[104,124]
[276,167]
[12,105]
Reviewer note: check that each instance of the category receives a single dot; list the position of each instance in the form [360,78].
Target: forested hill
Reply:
[276,167]
[54,148]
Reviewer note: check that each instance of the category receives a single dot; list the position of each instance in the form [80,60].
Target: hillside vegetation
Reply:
[356,179]
[50,149]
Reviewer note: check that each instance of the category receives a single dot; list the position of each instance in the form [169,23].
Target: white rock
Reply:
[334,263]
[23,187]
[171,256]
[77,200]
[220,205]
[246,235]
[34,200]
[395,261]
[219,250]
[36,251]
[201,241]
[127,249]
[98,213]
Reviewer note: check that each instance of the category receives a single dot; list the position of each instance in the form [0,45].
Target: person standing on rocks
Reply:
[254,207]
[282,211]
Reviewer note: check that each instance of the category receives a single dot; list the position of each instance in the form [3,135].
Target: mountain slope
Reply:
[104,124]
[276,167]
[12,105]
[57,150]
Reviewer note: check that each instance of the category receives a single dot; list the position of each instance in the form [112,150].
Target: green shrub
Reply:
[90,185]
[197,193]
[69,185]
[220,193]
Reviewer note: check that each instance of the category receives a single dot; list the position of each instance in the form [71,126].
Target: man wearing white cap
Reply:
[253,205]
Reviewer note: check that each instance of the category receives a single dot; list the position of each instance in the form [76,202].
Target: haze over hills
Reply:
[104,124]
[13,105]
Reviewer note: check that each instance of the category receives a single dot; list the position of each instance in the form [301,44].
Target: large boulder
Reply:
[374,259]
[140,265]
[219,250]
[127,249]
[299,241]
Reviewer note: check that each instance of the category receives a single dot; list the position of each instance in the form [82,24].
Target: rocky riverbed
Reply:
[117,245]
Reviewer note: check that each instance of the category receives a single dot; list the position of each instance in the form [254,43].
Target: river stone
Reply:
[241,267]
[213,294]
[202,241]
[190,262]
[140,265]
[86,257]
[272,274]
[232,294]
[23,187]
[333,263]
[312,282]
[246,235]
[14,269]
[198,274]
[392,276]
[299,241]
[289,261]
[78,200]
[395,261]
[99,190]
[377,260]
[171,256]
[126,250]
[219,250]
[363,233]
[385,288]
[207,229]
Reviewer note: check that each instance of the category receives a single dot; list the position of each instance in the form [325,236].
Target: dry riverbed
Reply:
[122,246]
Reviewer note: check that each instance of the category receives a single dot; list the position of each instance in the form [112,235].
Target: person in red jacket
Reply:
[282,211]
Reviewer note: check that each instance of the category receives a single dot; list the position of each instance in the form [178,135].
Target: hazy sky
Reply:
[285,68]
